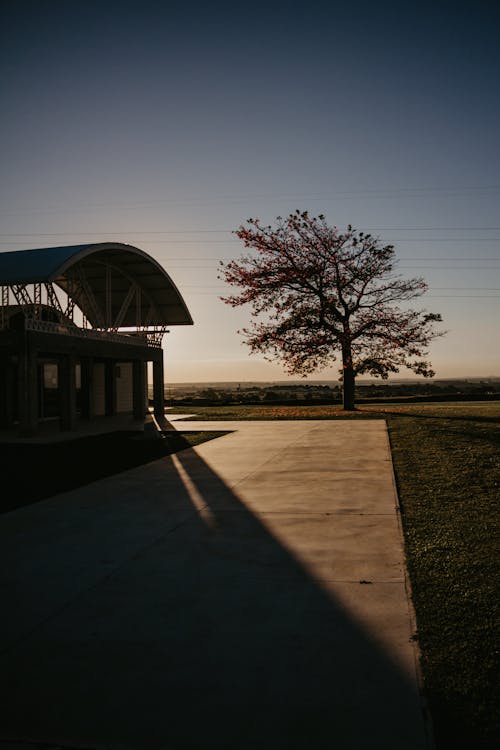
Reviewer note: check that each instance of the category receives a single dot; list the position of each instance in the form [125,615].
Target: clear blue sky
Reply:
[166,125]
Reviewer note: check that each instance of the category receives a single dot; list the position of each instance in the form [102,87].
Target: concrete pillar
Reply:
[7,391]
[28,390]
[12,398]
[67,391]
[3,390]
[110,387]
[158,388]
[86,399]
[139,388]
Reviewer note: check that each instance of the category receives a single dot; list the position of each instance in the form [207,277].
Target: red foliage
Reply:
[317,292]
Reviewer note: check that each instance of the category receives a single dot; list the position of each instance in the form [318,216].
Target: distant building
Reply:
[78,326]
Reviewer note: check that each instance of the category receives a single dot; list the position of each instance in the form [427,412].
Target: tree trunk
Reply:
[348,382]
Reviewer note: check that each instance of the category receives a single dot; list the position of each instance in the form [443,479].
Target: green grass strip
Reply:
[447,465]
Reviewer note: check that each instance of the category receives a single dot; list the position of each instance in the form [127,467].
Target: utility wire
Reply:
[427,296]
[226,231]
[219,287]
[302,196]
[236,241]
[204,259]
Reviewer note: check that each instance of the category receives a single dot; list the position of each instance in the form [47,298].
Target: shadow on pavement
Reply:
[141,621]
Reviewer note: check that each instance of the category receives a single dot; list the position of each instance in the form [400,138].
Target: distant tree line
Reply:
[326,394]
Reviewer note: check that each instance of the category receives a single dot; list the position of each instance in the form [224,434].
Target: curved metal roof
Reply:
[99,277]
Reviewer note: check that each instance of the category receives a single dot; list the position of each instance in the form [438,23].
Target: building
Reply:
[78,326]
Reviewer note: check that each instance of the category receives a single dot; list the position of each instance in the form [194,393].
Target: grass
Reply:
[447,464]
[250,412]
[37,471]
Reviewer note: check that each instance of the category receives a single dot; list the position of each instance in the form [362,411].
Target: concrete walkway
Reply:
[247,594]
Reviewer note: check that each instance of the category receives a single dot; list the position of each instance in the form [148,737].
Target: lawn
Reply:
[447,464]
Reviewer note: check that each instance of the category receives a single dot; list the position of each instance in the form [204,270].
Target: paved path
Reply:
[248,594]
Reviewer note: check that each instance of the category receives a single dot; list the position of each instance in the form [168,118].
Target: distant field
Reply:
[382,410]
[447,464]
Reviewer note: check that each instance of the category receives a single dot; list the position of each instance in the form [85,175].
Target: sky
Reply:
[166,125]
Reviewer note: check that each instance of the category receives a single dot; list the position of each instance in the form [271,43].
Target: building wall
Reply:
[26,378]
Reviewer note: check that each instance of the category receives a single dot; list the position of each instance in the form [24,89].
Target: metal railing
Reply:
[142,338]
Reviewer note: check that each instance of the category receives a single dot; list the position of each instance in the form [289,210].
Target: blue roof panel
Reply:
[32,266]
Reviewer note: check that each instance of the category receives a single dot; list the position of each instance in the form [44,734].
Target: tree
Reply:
[324,293]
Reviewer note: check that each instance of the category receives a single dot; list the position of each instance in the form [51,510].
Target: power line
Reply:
[430,296]
[436,288]
[447,268]
[73,233]
[435,229]
[234,198]
[399,259]
[402,268]
[440,260]
[236,241]
[177,242]
[123,231]
[204,258]
[446,239]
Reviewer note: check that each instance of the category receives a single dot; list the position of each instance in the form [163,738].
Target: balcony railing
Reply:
[141,338]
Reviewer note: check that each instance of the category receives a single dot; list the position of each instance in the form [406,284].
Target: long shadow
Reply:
[200,631]
[35,472]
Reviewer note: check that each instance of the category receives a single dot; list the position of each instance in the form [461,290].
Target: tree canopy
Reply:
[318,293]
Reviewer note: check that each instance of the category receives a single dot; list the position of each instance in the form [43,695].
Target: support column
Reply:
[139,388]
[110,387]
[7,391]
[4,397]
[28,390]
[67,391]
[158,388]
[87,401]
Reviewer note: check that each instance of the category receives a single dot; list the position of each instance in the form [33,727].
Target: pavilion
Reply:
[78,326]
